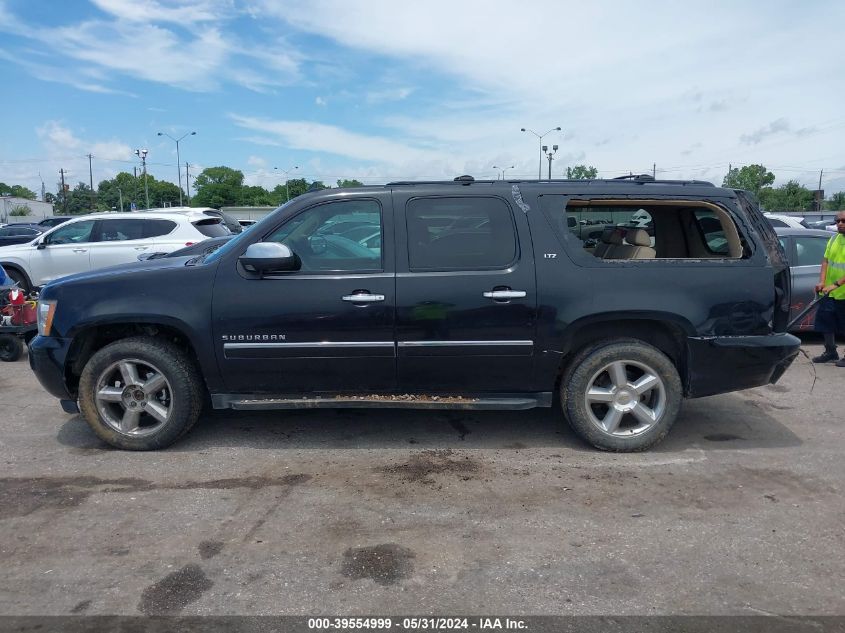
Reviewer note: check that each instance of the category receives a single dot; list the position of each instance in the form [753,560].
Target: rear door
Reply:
[465,293]
[119,241]
[806,267]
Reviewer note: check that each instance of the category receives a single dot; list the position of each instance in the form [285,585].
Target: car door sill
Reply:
[503,401]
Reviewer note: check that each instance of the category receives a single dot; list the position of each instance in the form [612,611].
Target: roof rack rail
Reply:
[469,180]
[637,177]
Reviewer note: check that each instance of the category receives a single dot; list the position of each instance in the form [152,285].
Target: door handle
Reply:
[363,297]
[80,250]
[141,248]
[505,294]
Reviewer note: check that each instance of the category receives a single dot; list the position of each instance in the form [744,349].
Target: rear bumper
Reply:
[731,363]
[47,356]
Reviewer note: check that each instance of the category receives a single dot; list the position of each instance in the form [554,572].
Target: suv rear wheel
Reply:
[140,393]
[621,395]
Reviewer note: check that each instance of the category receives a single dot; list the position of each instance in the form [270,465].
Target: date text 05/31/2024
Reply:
[416,623]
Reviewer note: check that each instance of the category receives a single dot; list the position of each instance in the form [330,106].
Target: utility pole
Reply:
[654,170]
[91,179]
[64,193]
[188,183]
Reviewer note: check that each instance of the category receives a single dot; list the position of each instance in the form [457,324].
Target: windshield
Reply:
[234,243]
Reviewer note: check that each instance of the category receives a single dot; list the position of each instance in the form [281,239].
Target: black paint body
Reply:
[725,317]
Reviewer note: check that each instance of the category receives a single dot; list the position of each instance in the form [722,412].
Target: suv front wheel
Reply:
[140,393]
[621,395]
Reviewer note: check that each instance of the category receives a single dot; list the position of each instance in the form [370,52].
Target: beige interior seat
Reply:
[638,246]
[606,241]
[614,241]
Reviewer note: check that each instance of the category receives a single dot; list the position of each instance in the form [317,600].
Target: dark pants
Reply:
[830,316]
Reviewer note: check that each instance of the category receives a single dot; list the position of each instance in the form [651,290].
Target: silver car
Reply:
[804,250]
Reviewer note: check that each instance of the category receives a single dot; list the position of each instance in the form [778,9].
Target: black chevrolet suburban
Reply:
[461,294]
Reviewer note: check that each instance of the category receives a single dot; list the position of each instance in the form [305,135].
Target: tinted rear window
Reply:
[157,228]
[212,227]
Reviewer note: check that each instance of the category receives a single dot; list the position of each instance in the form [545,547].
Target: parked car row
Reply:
[98,240]
[783,221]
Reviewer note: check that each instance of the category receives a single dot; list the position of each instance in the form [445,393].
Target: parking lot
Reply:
[738,511]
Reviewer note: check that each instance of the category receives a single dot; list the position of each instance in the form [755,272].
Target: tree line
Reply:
[224,187]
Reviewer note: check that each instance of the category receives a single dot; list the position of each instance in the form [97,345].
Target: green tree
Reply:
[256,196]
[218,187]
[836,202]
[18,191]
[789,197]
[76,200]
[296,186]
[349,183]
[751,178]
[581,172]
[163,193]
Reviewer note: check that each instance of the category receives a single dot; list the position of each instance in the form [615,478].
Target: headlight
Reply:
[46,310]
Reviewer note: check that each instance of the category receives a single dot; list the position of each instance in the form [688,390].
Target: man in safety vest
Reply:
[830,316]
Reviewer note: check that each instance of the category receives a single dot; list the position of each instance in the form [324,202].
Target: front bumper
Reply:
[718,364]
[47,355]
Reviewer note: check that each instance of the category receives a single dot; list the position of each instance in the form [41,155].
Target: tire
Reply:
[140,393]
[11,348]
[20,279]
[621,395]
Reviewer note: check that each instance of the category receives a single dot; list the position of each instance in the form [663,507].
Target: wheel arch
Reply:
[665,331]
[87,339]
[18,268]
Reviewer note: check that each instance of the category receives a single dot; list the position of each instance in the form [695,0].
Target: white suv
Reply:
[103,239]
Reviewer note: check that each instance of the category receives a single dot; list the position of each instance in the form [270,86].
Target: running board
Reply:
[511,402]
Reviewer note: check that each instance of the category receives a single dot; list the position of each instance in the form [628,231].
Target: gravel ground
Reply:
[738,511]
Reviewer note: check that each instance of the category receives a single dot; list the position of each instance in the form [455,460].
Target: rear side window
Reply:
[121,230]
[157,228]
[809,251]
[778,223]
[212,227]
[624,230]
[460,234]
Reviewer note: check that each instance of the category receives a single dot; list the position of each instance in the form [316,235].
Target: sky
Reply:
[380,90]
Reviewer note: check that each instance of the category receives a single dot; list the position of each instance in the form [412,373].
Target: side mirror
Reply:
[265,257]
[42,245]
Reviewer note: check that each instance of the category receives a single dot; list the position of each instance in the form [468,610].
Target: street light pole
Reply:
[286,172]
[540,137]
[549,154]
[178,161]
[503,170]
[142,154]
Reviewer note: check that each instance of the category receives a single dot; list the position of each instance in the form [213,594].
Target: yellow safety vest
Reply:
[834,253]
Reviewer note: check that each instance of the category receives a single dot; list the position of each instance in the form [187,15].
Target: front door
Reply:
[325,328]
[65,251]
[466,295]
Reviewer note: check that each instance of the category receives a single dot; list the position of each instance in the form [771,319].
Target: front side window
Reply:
[460,234]
[75,233]
[342,236]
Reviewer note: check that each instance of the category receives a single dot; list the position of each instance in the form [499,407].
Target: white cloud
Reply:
[317,137]
[179,12]
[388,94]
[320,101]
